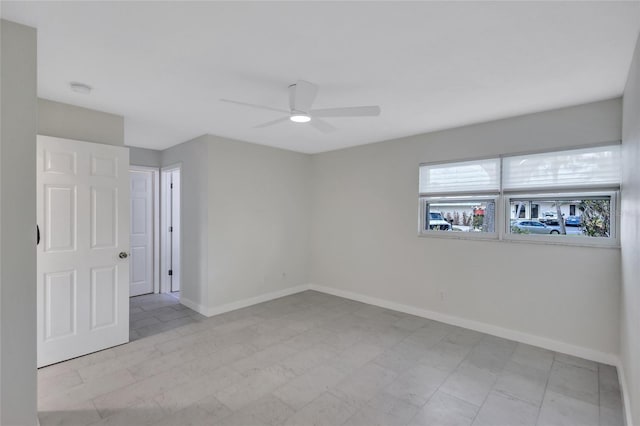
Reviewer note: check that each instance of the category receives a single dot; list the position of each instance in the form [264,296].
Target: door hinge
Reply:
[171,229]
[170,271]
[171,185]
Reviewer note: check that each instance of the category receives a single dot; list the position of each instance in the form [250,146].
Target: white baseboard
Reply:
[506,333]
[202,310]
[217,310]
[624,390]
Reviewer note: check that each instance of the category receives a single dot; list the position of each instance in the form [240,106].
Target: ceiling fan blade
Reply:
[271,123]
[268,108]
[301,95]
[358,111]
[322,125]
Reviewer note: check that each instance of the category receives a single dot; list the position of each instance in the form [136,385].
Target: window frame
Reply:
[578,240]
[422,222]
[502,200]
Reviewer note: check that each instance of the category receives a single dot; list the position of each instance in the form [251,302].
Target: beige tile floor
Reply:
[315,359]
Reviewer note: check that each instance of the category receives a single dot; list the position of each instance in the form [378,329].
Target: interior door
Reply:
[142,192]
[83,269]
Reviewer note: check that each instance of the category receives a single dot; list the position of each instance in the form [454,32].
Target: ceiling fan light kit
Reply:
[299,118]
[302,94]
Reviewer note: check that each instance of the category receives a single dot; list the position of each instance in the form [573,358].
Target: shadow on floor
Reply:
[154,313]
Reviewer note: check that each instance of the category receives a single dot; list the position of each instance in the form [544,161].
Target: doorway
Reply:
[145,230]
[171,230]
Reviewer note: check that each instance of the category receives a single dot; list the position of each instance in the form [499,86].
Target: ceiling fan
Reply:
[301,97]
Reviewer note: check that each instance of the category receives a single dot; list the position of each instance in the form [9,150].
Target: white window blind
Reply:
[590,167]
[464,177]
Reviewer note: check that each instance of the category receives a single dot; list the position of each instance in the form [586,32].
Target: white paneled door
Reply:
[83,264]
[142,202]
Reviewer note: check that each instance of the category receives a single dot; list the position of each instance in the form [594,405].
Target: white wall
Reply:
[252,201]
[83,124]
[245,221]
[73,122]
[364,238]
[193,157]
[145,157]
[258,220]
[630,222]
[17,225]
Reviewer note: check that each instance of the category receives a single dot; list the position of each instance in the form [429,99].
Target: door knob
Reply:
[123,255]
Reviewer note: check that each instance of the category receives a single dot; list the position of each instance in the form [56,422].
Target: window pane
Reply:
[460,216]
[591,216]
[575,168]
[467,176]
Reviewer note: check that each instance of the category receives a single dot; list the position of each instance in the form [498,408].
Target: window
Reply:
[535,210]
[459,215]
[591,218]
[565,196]
[460,197]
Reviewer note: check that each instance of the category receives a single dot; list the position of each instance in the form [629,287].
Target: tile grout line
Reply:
[546,385]
[447,378]
[372,360]
[491,388]
[315,327]
[599,395]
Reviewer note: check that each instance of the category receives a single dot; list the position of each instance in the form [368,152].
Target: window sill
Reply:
[582,243]
[495,238]
[452,235]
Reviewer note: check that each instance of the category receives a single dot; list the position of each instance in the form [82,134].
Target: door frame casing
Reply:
[156,221]
[165,237]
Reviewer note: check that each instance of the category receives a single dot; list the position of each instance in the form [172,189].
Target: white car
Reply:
[438,223]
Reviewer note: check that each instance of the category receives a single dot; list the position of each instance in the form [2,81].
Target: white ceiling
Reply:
[435,65]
